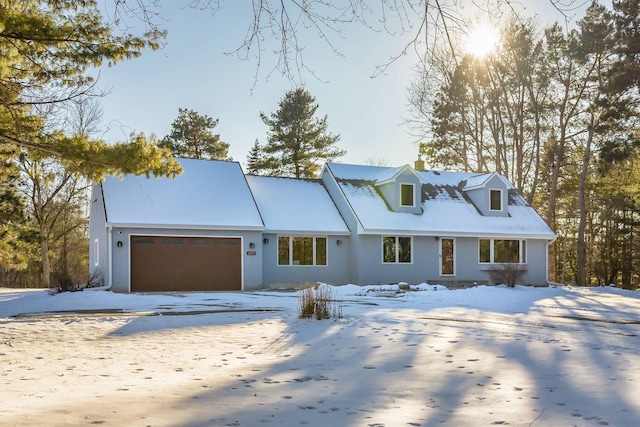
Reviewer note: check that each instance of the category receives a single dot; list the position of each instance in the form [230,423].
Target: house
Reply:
[214,228]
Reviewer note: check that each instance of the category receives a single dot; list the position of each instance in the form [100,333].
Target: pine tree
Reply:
[47,48]
[298,141]
[192,137]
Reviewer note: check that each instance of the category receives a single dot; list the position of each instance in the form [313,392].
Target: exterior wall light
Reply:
[119,244]
[265,241]
[338,242]
[252,245]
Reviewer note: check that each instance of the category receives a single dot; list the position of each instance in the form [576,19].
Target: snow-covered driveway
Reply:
[480,356]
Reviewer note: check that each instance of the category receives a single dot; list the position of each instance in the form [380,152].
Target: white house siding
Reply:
[251,264]
[337,270]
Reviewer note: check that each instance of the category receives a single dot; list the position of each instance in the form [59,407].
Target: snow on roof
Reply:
[446,210]
[391,174]
[291,205]
[479,181]
[209,194]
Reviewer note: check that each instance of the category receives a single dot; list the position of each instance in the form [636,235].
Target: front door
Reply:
[447,257]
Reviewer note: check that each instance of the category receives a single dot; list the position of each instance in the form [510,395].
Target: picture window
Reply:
[497,251]
[294,250]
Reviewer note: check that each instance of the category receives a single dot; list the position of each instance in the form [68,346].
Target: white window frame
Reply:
[397,252]
[413,195]
[522,252]
[491,190]
[454,256]
[96,253]
[291,264]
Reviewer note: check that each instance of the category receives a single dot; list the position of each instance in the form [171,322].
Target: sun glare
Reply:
[481,40]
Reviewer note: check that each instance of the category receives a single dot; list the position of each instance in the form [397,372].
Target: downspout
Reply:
[549,242]
[109,256]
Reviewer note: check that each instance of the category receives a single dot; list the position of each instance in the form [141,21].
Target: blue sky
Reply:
[192,71]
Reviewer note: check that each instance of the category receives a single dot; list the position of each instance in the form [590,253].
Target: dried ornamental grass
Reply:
[318,301]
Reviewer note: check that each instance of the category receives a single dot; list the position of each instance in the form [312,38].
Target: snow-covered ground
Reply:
[472,357]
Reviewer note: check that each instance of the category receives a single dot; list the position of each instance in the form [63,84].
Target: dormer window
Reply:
[495,202]
[407,195]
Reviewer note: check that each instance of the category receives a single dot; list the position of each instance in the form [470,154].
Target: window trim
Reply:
[314,254]
[522,252]
[499,190]
[397,251]
[96,253]
[413,196]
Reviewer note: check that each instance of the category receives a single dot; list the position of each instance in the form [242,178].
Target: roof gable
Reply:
[390,175]
[481,181]
[209,194]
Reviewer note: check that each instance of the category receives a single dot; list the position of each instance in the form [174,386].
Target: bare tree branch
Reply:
[426,25]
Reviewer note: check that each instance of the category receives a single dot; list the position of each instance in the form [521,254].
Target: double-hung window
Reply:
[295,250]
[396,249]
[496,251]
[495,200]
[406,195]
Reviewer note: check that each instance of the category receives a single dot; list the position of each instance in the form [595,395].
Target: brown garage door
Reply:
[165,263]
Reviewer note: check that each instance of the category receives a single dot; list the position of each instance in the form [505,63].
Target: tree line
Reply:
[556,112]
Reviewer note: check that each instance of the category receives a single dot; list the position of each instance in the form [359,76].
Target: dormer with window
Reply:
[400,188]
[489,192]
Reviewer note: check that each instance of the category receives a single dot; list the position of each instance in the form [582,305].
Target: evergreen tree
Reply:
[47,47]
[192,137]
[298,141]
[626,17]
[254,158]
[16,237]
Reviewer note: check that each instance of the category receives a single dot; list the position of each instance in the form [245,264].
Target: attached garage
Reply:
[199,231]
[174,263]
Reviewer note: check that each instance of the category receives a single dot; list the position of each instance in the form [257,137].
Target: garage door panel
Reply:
[166,263]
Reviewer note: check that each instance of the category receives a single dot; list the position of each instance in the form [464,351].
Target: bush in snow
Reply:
[318,301]
[508,274]
[62,283]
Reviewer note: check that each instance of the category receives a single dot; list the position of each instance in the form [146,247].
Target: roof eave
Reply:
[307,232]
[188,226]
[437,233]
